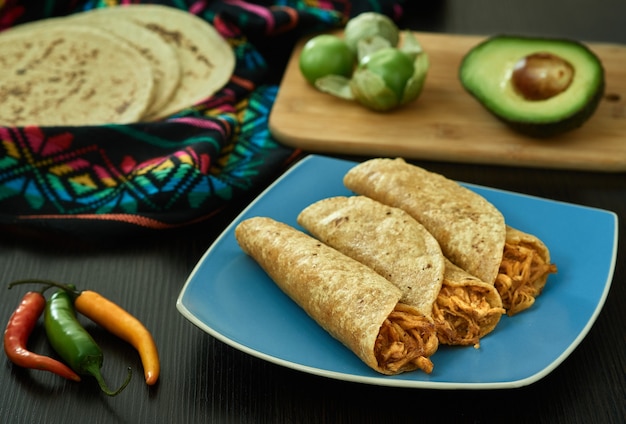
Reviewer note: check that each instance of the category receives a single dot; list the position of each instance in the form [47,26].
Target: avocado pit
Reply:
[541,76]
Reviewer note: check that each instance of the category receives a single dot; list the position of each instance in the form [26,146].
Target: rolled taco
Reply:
[470,230]
[399,248]
[384,238]
[351,302]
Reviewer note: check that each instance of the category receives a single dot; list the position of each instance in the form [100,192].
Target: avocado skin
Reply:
[551,128]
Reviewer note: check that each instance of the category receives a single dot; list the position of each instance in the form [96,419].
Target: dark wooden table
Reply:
[204,380]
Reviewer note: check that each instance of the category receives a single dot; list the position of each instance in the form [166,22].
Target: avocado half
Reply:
[487,72]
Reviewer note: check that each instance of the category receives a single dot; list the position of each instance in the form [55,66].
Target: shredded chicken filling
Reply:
[405,341]
[461,314]
[521,277]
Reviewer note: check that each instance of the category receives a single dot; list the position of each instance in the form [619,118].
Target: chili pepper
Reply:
[19,328]
[125,326]
[72,342]
[116,320]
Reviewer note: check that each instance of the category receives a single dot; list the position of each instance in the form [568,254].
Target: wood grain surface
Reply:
[446,123]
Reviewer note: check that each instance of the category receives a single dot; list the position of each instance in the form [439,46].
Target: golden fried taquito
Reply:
[350,301]
[470,230]
[399,248]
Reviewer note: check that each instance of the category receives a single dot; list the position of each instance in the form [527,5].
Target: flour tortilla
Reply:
[399,248]
[469,229]
[62,76]
[385,239]
[346,298]
[161,55]
[207,61]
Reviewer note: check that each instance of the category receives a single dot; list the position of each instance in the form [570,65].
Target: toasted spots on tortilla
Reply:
[63,76]
[119,64]
[207,61]
[346,298]
[386,239]
[160,55]
[469,229]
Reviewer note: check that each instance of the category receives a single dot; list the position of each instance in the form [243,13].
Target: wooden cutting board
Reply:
[446,123]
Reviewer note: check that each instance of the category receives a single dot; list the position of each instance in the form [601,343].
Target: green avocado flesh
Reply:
[486,73]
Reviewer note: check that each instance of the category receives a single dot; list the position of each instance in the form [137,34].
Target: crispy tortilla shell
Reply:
[350,301]
[469,229]
[385,239]
[471,232]
[400,249]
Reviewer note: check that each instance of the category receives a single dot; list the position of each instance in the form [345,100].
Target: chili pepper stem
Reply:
[94,370]
[70,289]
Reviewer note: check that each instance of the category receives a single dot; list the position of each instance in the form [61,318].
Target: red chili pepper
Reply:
[19,328]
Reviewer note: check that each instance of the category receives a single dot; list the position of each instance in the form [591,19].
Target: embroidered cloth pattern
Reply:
[117,179]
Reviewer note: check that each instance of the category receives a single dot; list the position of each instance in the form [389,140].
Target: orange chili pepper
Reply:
[125,326]
[117,321]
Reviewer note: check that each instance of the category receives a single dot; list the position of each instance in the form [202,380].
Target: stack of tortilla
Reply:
[113,65]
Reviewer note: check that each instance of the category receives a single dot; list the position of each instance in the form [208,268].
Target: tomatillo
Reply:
[389,78]
[369,30]
[325,55]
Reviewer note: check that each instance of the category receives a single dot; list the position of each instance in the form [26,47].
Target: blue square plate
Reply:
[230,297]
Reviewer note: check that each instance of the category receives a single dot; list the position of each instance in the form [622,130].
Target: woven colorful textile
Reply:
[115,180]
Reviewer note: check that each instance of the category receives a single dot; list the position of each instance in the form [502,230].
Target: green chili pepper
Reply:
[72,342]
